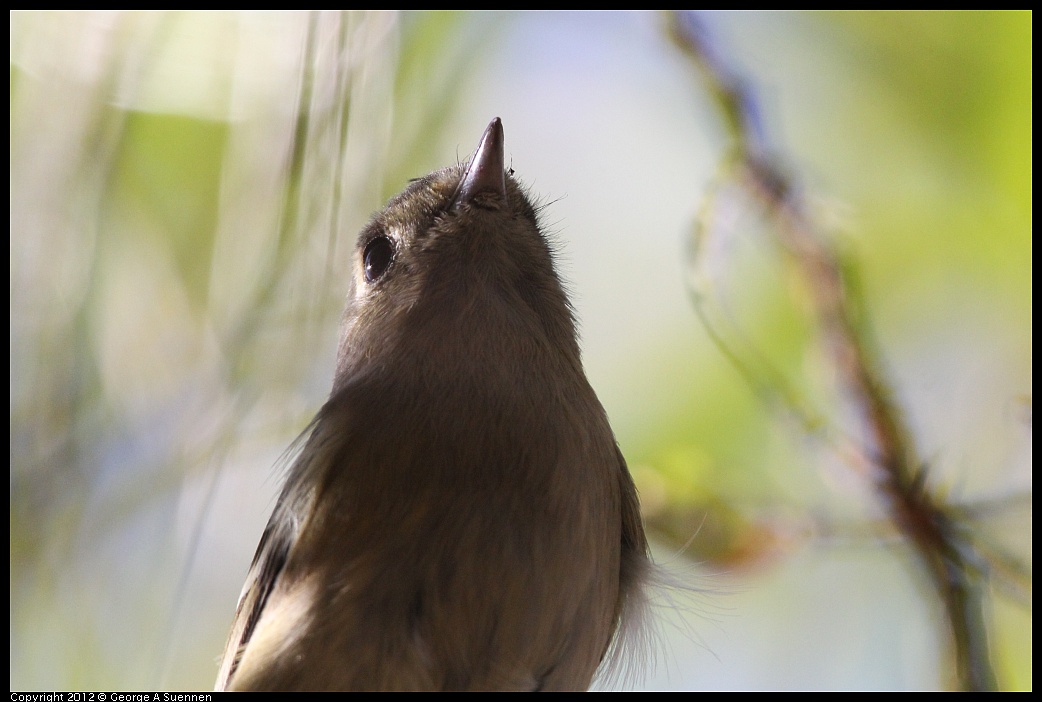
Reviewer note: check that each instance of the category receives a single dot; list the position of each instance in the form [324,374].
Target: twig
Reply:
[944,547]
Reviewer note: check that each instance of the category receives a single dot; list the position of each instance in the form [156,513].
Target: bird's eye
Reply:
[377,257]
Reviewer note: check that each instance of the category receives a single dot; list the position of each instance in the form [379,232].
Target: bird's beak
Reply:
[485,172]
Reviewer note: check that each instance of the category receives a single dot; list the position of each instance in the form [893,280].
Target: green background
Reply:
[185,192]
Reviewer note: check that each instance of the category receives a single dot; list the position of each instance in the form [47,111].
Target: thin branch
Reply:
[944,547]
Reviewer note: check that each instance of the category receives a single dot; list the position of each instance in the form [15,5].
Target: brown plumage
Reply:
[460,516]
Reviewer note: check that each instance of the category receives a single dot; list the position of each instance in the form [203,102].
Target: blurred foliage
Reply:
[941,238]
[949,230]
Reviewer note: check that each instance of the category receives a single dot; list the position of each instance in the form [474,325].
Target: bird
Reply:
[460,515]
